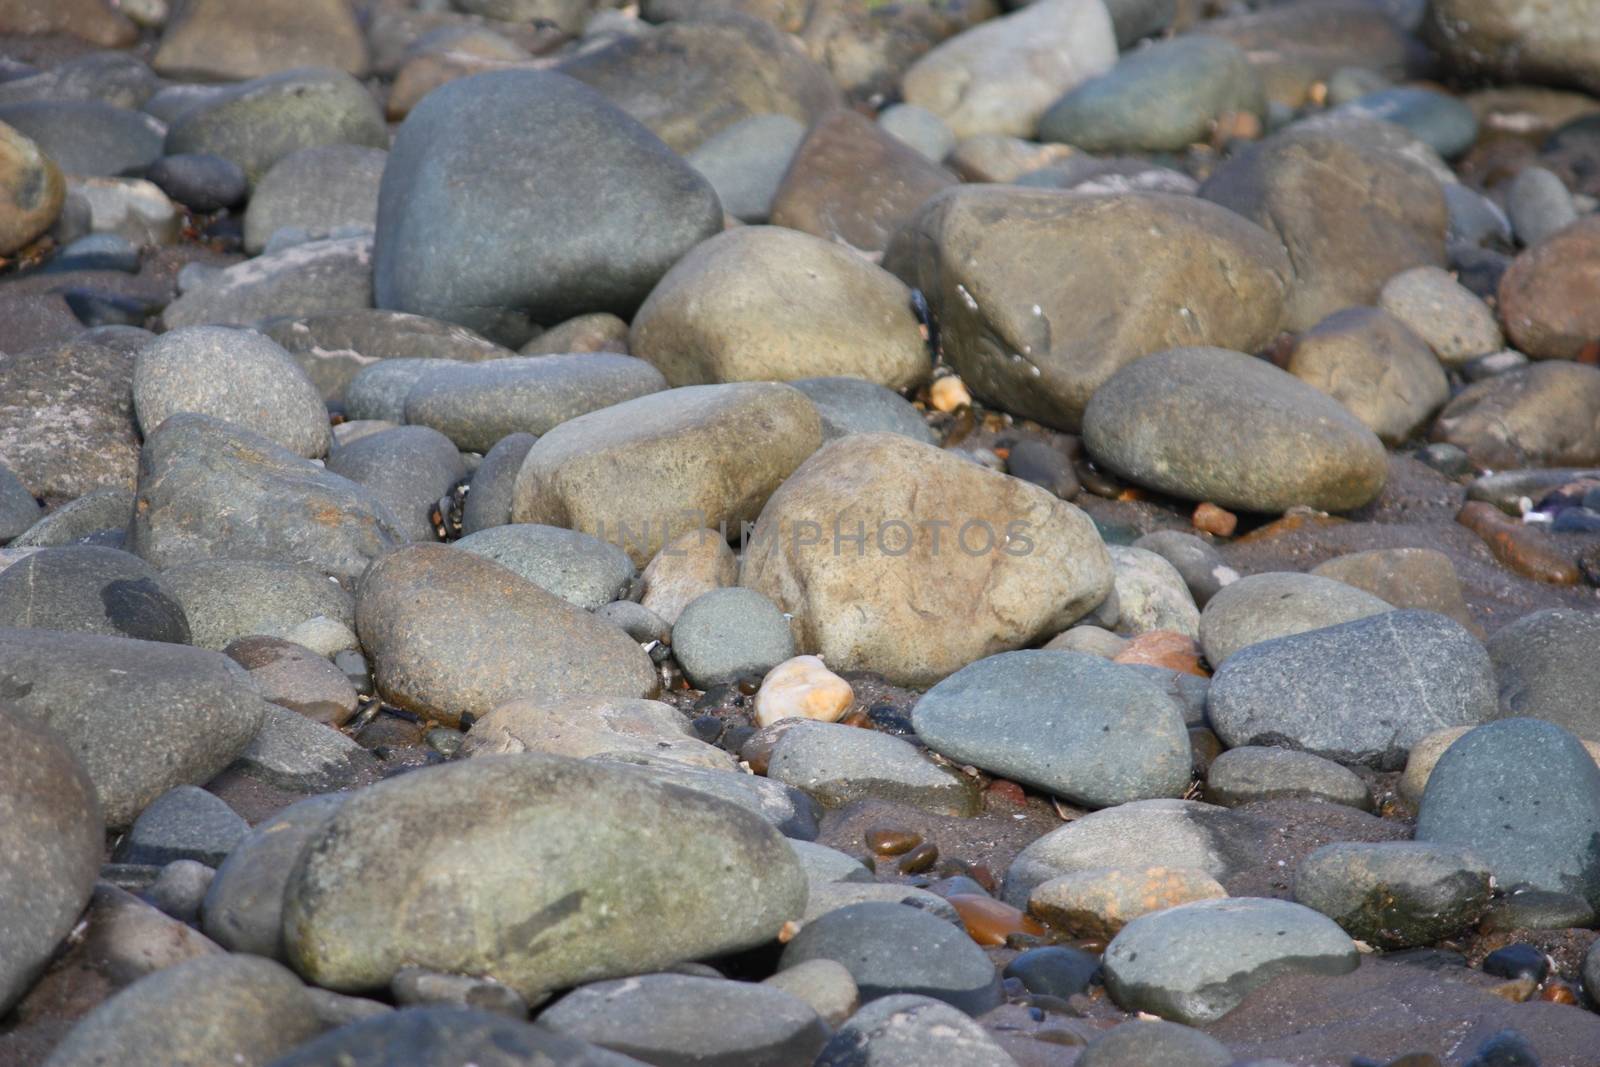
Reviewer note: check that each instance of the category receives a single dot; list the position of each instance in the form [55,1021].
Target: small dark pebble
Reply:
[920,858]
[95,308]
[1479,269]
[1097,481]
[1520,960]
[959,883]
[1054,971]
[1044,465]
[891,840]
[1204,747]
[707,728]
[734,737]
[99,251]
[888,719]
[200,182]
[1448,460]
[1505,1049]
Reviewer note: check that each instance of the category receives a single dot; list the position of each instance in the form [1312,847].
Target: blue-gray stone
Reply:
[200,181]
[408,468]
[91,589]
[98,251]
[1442,121]
[1547,665]
[1081,727]
[730,633]
[746,162]
[489,501]
[19,511]
[89,139]
[580,569]
[184,823]
[855,405]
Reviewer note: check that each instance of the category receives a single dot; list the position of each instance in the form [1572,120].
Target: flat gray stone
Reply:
[408,468]
[1395,894]
[731,633]
[837,764]
[579,569]
[184,823]
[1256,772]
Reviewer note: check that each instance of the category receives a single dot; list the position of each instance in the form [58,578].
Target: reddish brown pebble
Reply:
[920,859]
[1289,524]
[1163,648]
[891,840]
[1211,519]
[1010,792]
[1558,992]
[981,874]
[1524,549]
[989,921]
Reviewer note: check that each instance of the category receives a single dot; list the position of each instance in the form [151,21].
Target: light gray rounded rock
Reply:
[1151,594]
[489,499]
[185,822]
[745,162]
[407,468]
[1376,367]
[318,190]
[1197,561]
[478,404]
[298,279]
[1159,423]
[233,375]
[635,620]
[1547,665]
[1449,317]
[1260,607]
[378,391]
[603,873]
[1539,204]
[228,599]
[1093,732]
[727,634]
[837,764]
[906,1030]
[574,566]
[1358,692]
[853,405]
[919,128]
[1194,963]
[1250,773]
[1395,894]
[793,812]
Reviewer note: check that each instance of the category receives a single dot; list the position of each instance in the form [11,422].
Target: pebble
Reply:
[1539,300]
[1097,903]
[1154,1044]
[1395,894]
[1443,122]
[824,985]
[581,570]
[1273,604]
[182,823]
[1547,665]
[906,1029]
[295,677]
[1197,561]
[200,181]
[588,726]
[1422,578]
[1539,205]
[726,634]
[1250,773]
[1375,367]
[1054,971]
[745,162]
[180,888]
[1522,549]
[837,764]
[441,1036]
[1456,325]
[91,589]
[225,600]
[802,688]
[919,128]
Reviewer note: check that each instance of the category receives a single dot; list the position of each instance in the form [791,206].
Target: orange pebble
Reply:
[989,921]
[1163,648]
[1010,792]
[949,393]
[1214,520]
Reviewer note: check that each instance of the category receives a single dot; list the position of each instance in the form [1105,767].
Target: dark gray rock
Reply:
[447,1037]
[90,589]
[1093,732]
[1395,894]
[200,181]
[1054,970]
[1547,665]
[300,755]
[280,507]
[837,764]
[87,138]
[906,1030]
[378,392]
[457,175]
[1194,963]
[574,566]
[606,873]
[1524,796]
[51,842]
[98,251]
[476,404]
[317,190]
[183,823]
[1359,692]
[408,468]
[180,888]
[94,517]
[635,620]
[489,501]
[19,511]
[1197,561]
[1250,773]
[302,279]
[228,599]
[141,716]
[1154,1044]
[256,123]
[854,405]
[243,908]
[661,1018]
[731,633]
[890,948]
[1260,607]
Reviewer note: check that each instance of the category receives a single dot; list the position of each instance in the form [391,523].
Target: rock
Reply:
[1275,604]
[1540,295]
[802,688]
[1555,44]
[686,568]
[1395,894]
[298,755]
[1547,664]
[829,866]
[91,589]
[576,567]
[1372,364]
[837,764]
[50,844]
[408,468]
[447,1037]
[1539,205]
[727,634]
[852,182]
[98,251]
[230,39]
[824,985]
[256,123]
[1245,775]
[891,949]
[745,162]
[1294,45]
[1194,963]
[1151,594]
[228,599]
[489,502]
[793,813]
[183,823]
[635,620]
[640,473]
[1098,902]
[239,377]
[92,440]
[1154,1044]
[477,404]
[506,131]
[851,405]
[1421,578]
[1089,640]
[1342,249]
[180,888]
[294,677]
[141,716]
[1524,795]
[919,128]
[378,392]
[1030,566]
[199,181]
[19,511]
[763,303]
[1073,725]
[82,138]
[92,20]
[1416,672]
[1001,76]
[1014,278]
[836,895]
[97,514]
[598,331]
[1157,99]
[659,77]
[587,726]
[452,633]
[661,1018]
[905,1029]
[318,190]
[606,873]
[1523,549]
[280,507]
[130,208]
[214,1009]
[1197,561]
[414,985]
[1155,423]
[305,279]
[1446,124]
[31,190]
[1542,415]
